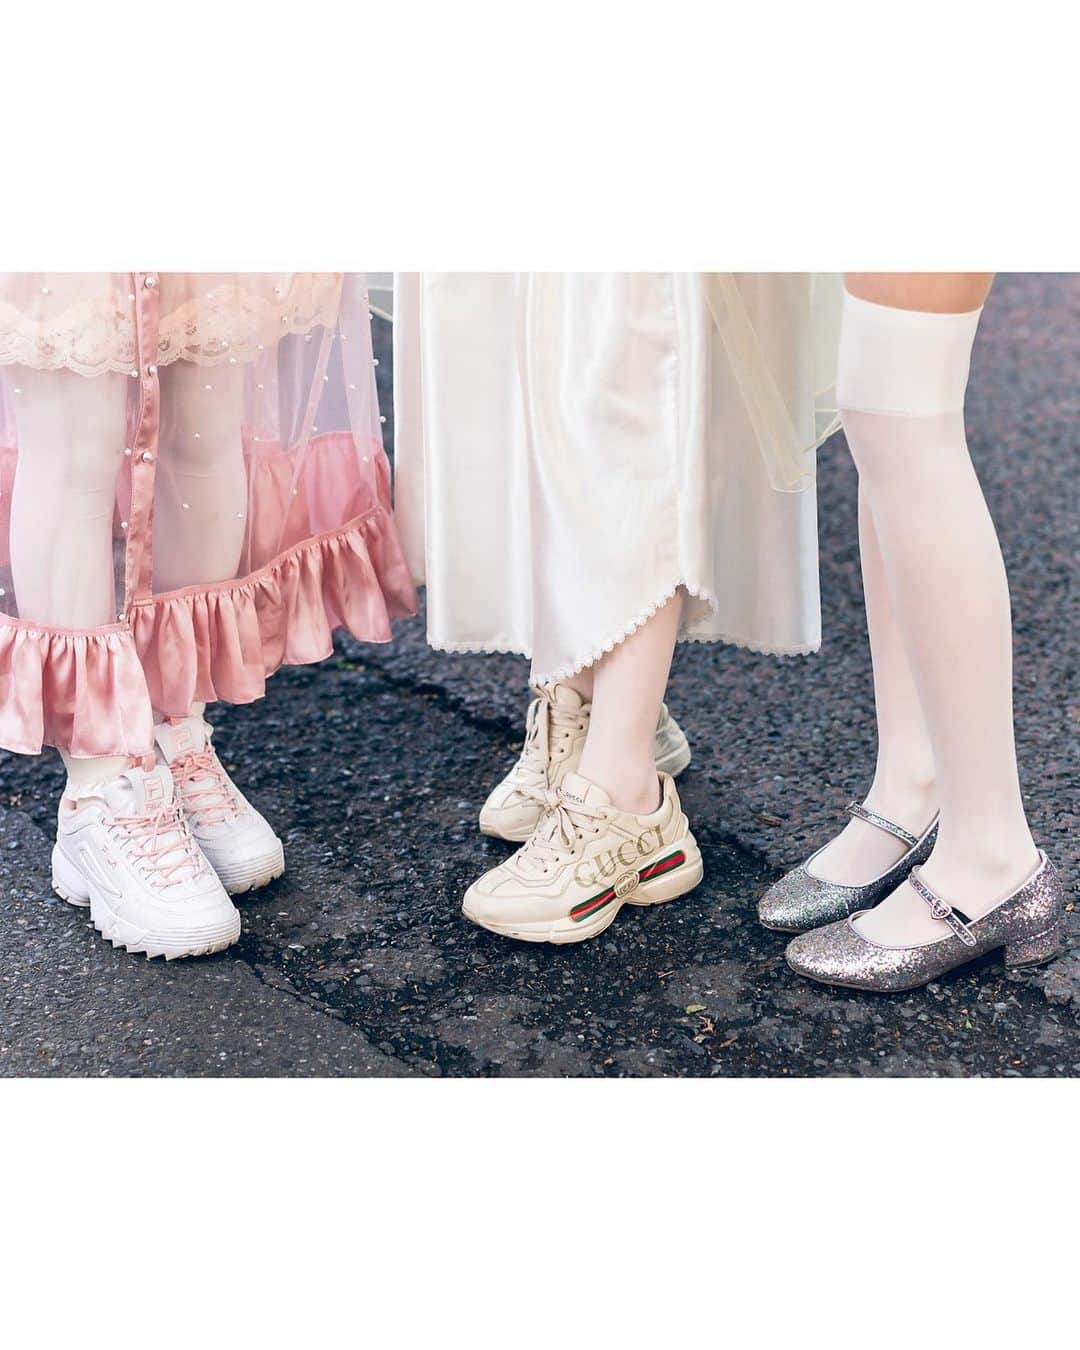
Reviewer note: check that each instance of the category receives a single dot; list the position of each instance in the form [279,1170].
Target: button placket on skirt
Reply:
[139,557]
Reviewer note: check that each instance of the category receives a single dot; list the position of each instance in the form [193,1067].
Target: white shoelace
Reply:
[546,723]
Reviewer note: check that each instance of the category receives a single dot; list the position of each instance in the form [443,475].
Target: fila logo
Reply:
[152,790]
[91,865]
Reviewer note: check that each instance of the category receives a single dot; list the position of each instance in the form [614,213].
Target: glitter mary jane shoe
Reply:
[799,900]
[1029,925]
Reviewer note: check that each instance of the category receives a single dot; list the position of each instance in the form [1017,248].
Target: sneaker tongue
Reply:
[563,696]
[139,791]
[578,791]
[181,737]
[574,792]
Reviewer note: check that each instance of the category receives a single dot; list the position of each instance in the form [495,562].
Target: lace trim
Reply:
[96,337]
[237,325]
[91,339]
[565,672]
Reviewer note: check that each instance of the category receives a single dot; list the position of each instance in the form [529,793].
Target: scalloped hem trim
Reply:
[566,672]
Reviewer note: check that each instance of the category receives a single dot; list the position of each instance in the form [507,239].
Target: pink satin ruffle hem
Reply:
[94,693]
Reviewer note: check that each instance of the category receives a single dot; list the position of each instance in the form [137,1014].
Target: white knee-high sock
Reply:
[901,385]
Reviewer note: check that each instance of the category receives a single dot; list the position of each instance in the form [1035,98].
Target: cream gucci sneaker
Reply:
[124,849]
[583,862]
[555,730]
[239,843]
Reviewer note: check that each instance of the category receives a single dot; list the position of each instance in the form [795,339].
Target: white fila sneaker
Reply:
[555,731]
[241,846]
[124,849]
[583,862]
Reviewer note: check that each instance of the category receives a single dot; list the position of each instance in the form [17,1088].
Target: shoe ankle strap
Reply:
[861,812]
[941,909]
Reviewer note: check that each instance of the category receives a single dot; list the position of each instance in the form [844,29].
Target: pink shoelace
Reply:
[157,835]
[207,792]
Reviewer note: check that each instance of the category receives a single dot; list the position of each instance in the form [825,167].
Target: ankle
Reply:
[85,777]
[192,719]
[581,683]
[910,799]
[637,792]
[977,873]
[643,800]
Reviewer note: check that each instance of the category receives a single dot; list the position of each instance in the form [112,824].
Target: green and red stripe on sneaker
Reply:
[600,901]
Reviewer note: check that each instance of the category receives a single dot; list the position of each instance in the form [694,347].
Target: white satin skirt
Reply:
[571,448]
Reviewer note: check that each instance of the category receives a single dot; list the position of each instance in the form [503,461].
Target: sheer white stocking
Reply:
[71,439]
[200,493]
[904,788]
[71,449]
[901,388]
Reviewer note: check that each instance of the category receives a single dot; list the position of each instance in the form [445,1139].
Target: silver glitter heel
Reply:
[1029,925]
[799,900]
[1037,950]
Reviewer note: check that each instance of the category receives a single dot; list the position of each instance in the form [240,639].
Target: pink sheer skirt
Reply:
[193,492]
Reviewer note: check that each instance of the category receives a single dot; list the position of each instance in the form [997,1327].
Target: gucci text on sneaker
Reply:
[583,862]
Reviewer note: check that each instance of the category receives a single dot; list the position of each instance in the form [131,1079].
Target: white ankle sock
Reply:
[83,775]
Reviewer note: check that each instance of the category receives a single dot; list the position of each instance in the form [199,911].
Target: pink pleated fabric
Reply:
[221,642]
[221,453]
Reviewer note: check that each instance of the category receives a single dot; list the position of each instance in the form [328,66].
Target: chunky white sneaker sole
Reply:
[76,888]
[675,873]
[238,878]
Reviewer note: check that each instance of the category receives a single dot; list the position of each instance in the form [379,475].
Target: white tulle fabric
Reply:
[193,492]
[573,447]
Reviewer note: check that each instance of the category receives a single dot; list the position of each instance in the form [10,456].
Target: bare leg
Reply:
[582,681]
[628,689]
[946,579]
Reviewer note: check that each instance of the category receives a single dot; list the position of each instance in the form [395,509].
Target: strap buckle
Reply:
[941,909]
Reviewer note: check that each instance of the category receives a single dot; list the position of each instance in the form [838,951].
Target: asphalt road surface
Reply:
[374,765]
